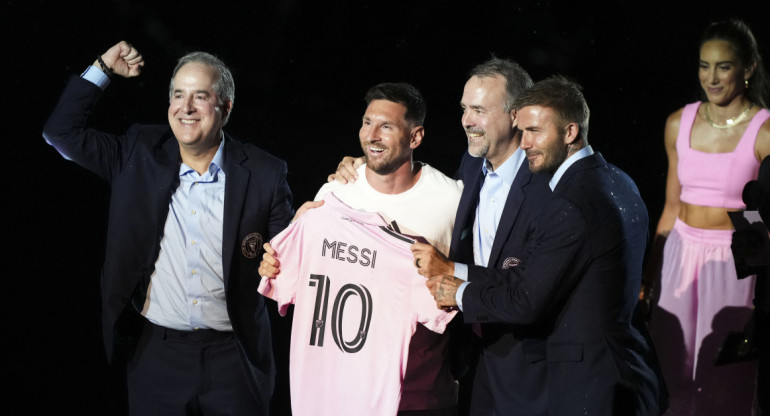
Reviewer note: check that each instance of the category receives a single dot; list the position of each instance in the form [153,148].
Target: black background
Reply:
[301,70]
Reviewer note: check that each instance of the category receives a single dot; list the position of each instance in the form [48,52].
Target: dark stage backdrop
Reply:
[301,70]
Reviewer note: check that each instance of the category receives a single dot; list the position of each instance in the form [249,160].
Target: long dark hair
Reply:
[738,34]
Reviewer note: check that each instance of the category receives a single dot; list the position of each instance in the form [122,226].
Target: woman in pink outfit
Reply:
[714,147]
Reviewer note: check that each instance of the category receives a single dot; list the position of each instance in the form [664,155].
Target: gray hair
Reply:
[516,78]
[224,86]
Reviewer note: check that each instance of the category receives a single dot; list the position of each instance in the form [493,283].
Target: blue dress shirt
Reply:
[187,290]
[492,198]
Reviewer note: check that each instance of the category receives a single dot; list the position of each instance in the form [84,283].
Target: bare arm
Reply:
[670,209]
[673,187]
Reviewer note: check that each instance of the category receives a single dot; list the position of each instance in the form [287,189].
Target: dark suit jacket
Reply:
[579,285]
[142,168]
[510,375]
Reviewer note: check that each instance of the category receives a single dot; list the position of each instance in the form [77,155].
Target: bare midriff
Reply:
[710,218]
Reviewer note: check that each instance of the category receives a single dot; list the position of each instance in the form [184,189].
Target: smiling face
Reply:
[546,143]
[721,74]
[195,112]
[489,128]
[386,137]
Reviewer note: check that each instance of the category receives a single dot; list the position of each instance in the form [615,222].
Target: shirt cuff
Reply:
[96,76]
[461,271]
[459,294]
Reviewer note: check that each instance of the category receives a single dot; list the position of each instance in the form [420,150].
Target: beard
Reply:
[477,149]
[385,165]
[552,158]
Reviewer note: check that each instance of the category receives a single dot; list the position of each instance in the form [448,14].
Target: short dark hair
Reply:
[738,34]
[224,85]
[562,95]
[516,78]
[401,93]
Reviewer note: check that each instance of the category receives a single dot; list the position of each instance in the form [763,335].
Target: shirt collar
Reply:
[580,154]
[507,171]
[216,162]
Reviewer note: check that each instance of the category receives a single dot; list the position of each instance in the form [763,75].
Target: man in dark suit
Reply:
[189,210]
[498,187]
[577,282]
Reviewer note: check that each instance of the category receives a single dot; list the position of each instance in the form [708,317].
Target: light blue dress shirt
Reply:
[481,256]
[96,76]
[584,152]
[492,198]
[187,290]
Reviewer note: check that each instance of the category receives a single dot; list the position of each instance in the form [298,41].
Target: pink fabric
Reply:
[701,301]
[358,300]
[716,179]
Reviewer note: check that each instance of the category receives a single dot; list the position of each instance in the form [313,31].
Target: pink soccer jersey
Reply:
[358,299]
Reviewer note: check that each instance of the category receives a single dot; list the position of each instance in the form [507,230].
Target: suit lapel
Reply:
[236,186]
[462,235]
[588,162]
[513,203]
[167,174]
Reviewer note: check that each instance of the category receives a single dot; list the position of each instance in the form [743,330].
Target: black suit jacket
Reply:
[511,372]
[142,168]
[579,284]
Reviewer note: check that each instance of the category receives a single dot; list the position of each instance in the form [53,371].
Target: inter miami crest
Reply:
[511,262]
[251,245]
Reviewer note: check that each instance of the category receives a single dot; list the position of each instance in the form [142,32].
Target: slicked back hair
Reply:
[742,42]
[224,86]
[566,99]
[516,78]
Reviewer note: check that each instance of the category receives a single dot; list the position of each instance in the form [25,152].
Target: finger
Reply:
[349,173]
[134,70]
[267,270]
[419,247]
[270,260]
[305,207]
[135,60]
[346,170]
[268,248]
[343,176]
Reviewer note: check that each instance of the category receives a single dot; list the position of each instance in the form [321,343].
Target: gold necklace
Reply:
[730,122]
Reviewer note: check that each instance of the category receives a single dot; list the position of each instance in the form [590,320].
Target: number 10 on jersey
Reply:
[322,284]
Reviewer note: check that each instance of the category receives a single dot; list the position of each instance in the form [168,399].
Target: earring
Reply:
[746,83]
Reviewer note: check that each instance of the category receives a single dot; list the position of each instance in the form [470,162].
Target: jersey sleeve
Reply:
[283,288]
[425,308]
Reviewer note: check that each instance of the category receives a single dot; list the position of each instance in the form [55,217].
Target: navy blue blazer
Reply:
[510,374]
[142,168]
[579,285]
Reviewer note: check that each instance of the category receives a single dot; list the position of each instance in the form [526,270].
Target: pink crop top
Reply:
[716,179]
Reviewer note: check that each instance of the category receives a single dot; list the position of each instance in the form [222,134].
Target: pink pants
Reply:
[701,301]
